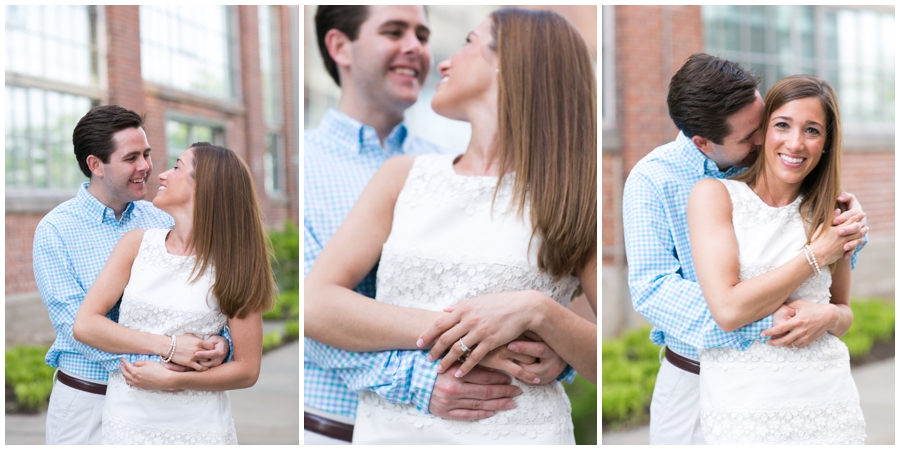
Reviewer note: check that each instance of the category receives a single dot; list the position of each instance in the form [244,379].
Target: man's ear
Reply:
[95,165]
[338,45]
[704,144]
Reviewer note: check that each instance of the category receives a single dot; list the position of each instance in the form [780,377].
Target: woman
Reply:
[211,268]
[516,212]
[763,237]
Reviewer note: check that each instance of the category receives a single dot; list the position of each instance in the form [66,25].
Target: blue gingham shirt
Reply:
[661,275]
[71,246]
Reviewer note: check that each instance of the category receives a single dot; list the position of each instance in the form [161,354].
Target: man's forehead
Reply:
[412,15]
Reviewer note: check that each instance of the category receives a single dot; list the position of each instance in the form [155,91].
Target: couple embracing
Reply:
[740,243]
[148,300]
[437,286]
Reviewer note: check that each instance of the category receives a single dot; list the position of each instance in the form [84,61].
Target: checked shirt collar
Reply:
[336,123]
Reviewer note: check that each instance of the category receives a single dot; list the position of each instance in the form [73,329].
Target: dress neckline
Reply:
[763,203]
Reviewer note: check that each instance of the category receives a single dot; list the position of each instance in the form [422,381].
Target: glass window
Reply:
[56,43]
[180,134]
[270,62]
[272,164]
[851,48]
[38,139]
[189,48]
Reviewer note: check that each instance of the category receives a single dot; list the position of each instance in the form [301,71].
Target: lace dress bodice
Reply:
[447,244]
[777,395]
[160,299]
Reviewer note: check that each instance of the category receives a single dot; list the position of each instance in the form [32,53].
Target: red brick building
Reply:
[643,46]
[224,74]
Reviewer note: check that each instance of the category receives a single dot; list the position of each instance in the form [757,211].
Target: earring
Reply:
[497,71]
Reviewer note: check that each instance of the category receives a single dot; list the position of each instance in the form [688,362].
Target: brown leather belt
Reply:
[682,363]
[327,427]
[81,385]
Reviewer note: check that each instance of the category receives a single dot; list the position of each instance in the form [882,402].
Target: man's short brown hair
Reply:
[347,20]
[707,90]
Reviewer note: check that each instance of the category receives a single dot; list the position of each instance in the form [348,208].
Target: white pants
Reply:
[74,416]
[311,438]
[675,408]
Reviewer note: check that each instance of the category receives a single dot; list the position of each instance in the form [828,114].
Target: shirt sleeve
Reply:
[311,248]
[659,292]
[226,333]
[859,248]
[400,376]
[63,295]
[567,375]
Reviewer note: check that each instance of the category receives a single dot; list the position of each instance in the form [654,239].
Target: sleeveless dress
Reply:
[778,395]
[158,299]
[447,245]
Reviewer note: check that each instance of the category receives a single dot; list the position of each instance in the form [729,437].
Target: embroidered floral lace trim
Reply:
[116,431]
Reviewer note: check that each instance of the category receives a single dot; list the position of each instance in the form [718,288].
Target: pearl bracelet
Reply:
[811,259]
[171,351]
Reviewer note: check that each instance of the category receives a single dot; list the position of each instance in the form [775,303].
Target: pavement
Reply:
[267,413]
[875,382]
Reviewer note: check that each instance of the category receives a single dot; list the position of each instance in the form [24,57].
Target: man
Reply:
[379,56]
[719,112]
[71,245]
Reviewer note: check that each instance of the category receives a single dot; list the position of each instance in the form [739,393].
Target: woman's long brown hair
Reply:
[547,132]
[228,234]
[822,185]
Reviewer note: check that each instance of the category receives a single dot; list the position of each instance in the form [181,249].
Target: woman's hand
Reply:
[829,245]
[506,360]
[482,323]
[148,375]
[186,346]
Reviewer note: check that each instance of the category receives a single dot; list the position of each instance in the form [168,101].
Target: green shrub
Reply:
[292,329]
[271,340]
[873,321]
[287,305]
[630,365]
[286,256]
[583,396]
[29,377]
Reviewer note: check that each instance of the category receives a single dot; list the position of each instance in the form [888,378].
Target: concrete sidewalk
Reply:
[875,382]
[267,413]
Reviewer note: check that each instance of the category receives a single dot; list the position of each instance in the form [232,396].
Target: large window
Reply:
[853,48]
[39,124]
[270,71]
[189,48]
[182,132]
[52,80]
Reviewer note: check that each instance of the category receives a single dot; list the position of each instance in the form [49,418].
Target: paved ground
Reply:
[267,413]
[875,382]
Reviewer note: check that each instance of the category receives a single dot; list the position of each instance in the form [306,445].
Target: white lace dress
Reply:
[778,395]
[158,299]
[446,246]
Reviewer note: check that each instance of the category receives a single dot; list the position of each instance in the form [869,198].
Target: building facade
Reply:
[851,47]
[223,74]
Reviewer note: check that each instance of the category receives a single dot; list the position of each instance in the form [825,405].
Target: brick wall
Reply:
[19,237]
[870,176]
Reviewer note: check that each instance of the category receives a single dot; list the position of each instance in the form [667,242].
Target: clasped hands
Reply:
[480,389]
[191,354]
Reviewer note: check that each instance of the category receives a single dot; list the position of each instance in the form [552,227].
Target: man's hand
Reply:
[216,356]
[853,213]
[780,316]
[474,396]
[811,320]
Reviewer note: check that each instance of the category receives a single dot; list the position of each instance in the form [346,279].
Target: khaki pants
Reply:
[675,408]
[73,416]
